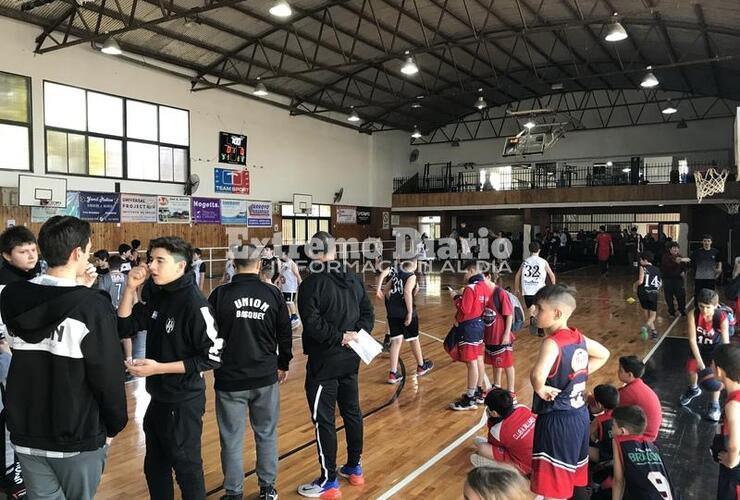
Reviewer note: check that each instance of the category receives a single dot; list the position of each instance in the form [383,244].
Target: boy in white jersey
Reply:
[529,279]
[290,278]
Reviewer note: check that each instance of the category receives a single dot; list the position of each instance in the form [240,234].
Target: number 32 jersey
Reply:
[645,476]
[534,273]
[569,373]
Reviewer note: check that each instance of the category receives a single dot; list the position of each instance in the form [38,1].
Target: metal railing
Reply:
[546,176]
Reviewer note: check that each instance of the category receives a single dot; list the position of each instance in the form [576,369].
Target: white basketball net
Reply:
[731,207]
[710,183]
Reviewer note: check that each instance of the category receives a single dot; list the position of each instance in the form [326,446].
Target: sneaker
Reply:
[394,377]
[321,488]
[353,474]
[479,440]
[387,343]
[268,493]
[240,496]
[465,403]
[424,368]
[689,395]
[714,413]
[654,334]
[481,461]
[480,396]
[533,325]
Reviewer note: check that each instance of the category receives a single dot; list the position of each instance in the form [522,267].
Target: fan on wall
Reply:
[338,195]
[192,184]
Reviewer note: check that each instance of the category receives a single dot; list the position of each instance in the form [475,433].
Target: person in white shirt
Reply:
[199,268]
[421,253]
[290,278]
[529,279]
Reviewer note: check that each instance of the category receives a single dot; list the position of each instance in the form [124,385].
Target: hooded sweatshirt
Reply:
[331,302]
[66,382]
[180,327]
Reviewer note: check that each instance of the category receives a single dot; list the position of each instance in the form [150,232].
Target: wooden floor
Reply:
[402,436]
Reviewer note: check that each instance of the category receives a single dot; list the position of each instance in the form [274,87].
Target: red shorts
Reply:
[500,356]
[500,455]
[691,364]
[469,352]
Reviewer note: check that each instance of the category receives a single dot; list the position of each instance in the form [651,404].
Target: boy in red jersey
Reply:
[510,434]
[566,358]
[469,330]
[727,364]
[606,398]
[498,337]
[604,249]
[708,328]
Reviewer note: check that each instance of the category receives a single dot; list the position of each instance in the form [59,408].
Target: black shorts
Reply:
[289,297]
[648,301]
[397,328]
[728,485]
[529,300]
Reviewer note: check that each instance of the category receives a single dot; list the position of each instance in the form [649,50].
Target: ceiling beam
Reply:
[708,47]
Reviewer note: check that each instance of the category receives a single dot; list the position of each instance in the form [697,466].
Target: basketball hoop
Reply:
[731,207]
[710,183]
[44,202]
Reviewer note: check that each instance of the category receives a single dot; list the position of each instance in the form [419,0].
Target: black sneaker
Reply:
[425,368]
[689,395]
[268,493]
[465,403]
[480,396]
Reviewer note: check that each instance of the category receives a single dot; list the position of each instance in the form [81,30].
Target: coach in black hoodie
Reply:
[253,321]
[65,387]
[333,306]
[181,343]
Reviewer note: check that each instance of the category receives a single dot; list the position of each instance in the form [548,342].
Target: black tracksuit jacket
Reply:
[180,327]
[65,388]
[331,302]
[253,321]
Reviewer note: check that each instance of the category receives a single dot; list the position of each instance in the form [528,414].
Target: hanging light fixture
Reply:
[353,117]
[616,32]
[260,89]
[481,102]
[410,67]
[416,105]
[111,47]
[416,134]
[650,79]
[669,109]
[530,125]
[281,9]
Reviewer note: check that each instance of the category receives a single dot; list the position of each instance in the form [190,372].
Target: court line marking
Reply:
[420,332]
[444,452]
[665,334]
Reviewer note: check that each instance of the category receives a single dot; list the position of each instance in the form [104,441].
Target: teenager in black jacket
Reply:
[181,343]
[333,306]
[19,263]
[65,396]
[253,321]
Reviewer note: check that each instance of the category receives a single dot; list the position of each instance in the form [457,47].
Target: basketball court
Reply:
[451,131]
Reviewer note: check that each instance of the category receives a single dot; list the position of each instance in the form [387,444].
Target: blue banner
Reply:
[100,207]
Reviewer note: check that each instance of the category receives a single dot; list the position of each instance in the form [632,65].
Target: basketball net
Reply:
[731,207]
[709,183]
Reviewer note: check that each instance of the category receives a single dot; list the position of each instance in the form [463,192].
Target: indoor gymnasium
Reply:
[370,249]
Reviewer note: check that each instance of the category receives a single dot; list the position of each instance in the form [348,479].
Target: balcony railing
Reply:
[545,176]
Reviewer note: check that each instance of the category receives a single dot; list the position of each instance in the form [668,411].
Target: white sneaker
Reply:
[479,461]
[479,440]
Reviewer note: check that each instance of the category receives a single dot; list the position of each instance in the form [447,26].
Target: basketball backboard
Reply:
[302,203]
[41,191]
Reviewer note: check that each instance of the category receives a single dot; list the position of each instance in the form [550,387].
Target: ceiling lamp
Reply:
[111,47]
[615,32]
[410,67]
[650,80]
[481,102]
[281,9]
[530,125]
[669,110]
[416,105]
[353,117]
[416,134]
[260,90]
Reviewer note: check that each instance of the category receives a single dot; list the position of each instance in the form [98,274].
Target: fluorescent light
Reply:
[649,81]
[626,170]
[609,164]
[481,103]
[410,67]
[416,105]
[281,9]
[669,110]
[530,125]
[353,117]
[416,133]
[260,90]
[111,47]
[616,33]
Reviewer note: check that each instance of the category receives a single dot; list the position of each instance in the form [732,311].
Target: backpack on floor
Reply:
[731,319]
[518,321]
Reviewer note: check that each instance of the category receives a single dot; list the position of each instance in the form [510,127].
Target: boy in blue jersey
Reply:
[561,435]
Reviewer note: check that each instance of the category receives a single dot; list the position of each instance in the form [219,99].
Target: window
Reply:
[15,122]
[94,134]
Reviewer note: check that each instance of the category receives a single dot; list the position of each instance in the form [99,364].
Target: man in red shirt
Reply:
[604,249]
[636,392]
[467,334]
[510,434]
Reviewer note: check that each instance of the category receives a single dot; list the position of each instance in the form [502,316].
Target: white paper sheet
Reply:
[366,346]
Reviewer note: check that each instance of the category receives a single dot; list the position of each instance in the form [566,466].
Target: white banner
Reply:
[174,209]
[138,208]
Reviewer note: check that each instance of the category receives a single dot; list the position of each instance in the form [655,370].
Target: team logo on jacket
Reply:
[170,325]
